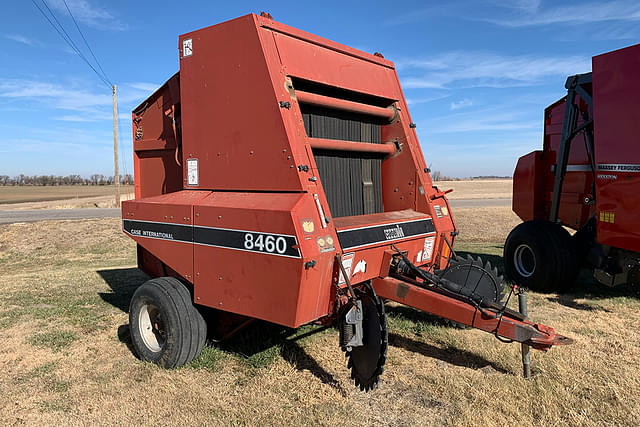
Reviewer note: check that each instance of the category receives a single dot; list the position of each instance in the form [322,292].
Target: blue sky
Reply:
[477,74]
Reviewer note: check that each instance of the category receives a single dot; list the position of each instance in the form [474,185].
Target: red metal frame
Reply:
[538,336]
[250,229]
[615,90]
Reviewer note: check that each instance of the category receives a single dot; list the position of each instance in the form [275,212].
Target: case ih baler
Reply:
[586,177]
[279,177]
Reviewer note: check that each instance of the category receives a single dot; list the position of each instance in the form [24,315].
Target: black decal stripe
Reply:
[158,230]
[355,238]
[217,237]
[234,239]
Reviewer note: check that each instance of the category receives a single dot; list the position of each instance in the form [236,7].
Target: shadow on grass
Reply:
[123,283]
[448,354]
[261,342]
[258,344]
[417,316]
[451,355]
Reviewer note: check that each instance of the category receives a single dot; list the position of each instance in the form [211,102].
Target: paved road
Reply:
[480,203]
[33,215]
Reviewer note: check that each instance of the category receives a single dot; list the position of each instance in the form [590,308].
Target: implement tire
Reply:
[540,256]
[166,328]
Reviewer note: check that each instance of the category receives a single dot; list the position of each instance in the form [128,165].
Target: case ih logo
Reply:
[394,233]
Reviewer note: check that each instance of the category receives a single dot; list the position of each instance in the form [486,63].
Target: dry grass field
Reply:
[477,189]
[58,197]
[79,196]
[65,355]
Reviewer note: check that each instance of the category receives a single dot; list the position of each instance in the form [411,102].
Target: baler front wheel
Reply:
[540,256]
[166,328]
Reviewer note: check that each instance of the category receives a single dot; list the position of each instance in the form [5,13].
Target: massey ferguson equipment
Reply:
[279,177]
[587,178]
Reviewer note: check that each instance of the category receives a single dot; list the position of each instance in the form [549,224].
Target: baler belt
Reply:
[352,180]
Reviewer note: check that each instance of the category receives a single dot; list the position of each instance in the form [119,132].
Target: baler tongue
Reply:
[470,302]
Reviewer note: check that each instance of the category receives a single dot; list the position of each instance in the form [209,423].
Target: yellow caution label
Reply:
[607,216]
[308,226]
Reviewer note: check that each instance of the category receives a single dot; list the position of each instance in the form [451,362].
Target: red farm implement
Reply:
[279,177]
[587,178]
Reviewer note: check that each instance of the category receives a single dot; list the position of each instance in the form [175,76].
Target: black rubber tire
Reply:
[547,254]
[567,251]
[183,330]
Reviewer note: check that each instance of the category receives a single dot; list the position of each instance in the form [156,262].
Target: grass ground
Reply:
[34,197]
[65,356]
[477,189]
[74,196]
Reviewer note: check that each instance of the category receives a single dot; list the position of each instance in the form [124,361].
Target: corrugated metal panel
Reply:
[352,180]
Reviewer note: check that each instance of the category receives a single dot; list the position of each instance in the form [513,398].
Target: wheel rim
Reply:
[151,327]
[524,260]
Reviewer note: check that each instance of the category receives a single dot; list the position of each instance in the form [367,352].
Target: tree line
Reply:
[53,180]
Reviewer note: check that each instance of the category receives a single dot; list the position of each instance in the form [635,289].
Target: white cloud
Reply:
[22,39]
[144,86]
[574,14]
[86,103]
[89,14]
[529,6]
[461,69]
[487,120]
[461,104]
[424,100]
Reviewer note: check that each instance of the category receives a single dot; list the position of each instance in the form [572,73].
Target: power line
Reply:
[78,51]
[85,42]
[68,40]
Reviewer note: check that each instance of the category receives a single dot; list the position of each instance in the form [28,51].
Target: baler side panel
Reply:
[156,137]
[163,226]
[616,85]
[231,118]
[236,270]
[528,193]
[533,177]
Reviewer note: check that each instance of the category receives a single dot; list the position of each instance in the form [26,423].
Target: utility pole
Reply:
[115,145]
